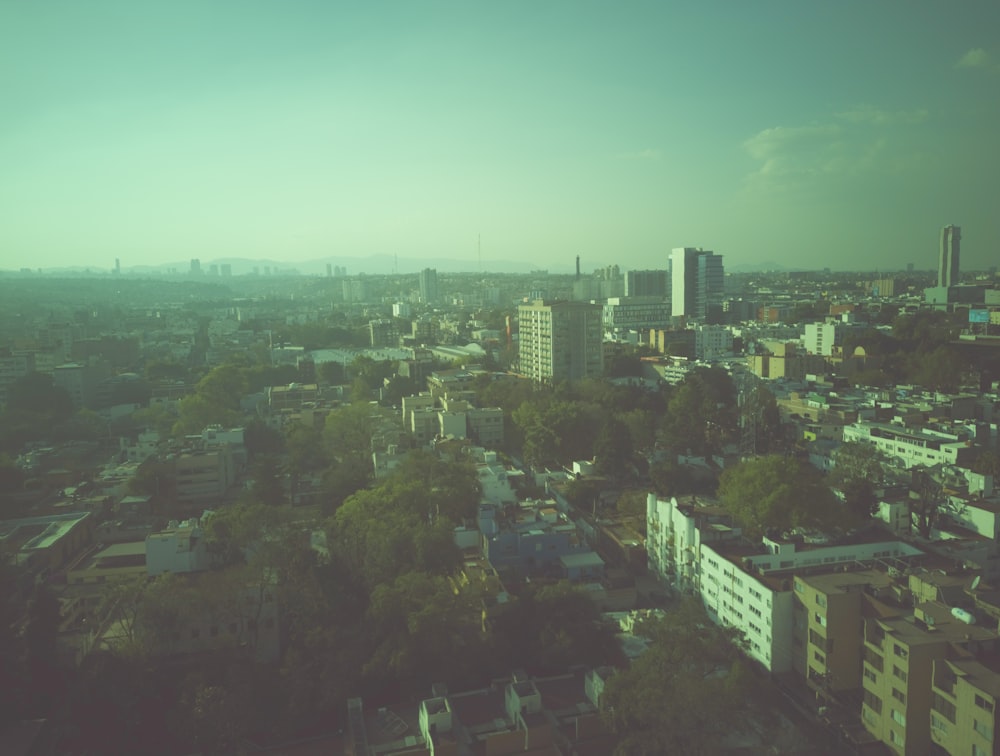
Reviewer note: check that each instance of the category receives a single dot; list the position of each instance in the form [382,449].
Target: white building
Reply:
[712,342]
[180,547]
[909,448]
[695,550]
[820,338]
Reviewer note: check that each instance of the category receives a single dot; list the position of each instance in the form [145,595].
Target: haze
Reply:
[840,135]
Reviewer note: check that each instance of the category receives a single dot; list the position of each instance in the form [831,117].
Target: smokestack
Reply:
[578,266]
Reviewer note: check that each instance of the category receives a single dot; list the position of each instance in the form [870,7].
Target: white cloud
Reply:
[977,57]
[860,141]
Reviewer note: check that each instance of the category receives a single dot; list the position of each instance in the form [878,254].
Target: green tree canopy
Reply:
[776,492]
[686,692]
[859,469]
[701,414]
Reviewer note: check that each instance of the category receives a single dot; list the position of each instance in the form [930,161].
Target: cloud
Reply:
[793,151]
[861,141]
[646,154]
[977,57]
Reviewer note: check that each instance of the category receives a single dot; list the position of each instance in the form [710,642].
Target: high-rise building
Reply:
[560,341]
[428,285]
[697,281]
[951,238]
[647,283]
[195,267]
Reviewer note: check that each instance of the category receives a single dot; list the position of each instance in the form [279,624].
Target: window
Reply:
[820,620]
[945,707]
[821,600]
[899,695]
[869,675]
[977,751]
[984,704]
[983,728]
[899,651]
[819,657]
[897,672]
[874,659]
[873,702]
[895,738]
[937,723]
[898,717]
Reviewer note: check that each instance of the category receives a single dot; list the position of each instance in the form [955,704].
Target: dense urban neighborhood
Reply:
[688,510]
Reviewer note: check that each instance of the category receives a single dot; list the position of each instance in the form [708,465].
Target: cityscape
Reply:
[472,379]
[484,512]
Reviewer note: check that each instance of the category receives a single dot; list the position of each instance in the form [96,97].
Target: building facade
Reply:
[948,264]
[697,282]
[560,341]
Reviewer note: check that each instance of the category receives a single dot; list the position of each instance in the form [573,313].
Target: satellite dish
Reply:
[975,583]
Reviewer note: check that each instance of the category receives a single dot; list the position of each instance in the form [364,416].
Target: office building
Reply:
[647,283]
[951,239]
[697,281]
[428,286]
[560,341]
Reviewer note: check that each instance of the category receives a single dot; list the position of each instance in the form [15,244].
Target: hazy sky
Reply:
[837,134]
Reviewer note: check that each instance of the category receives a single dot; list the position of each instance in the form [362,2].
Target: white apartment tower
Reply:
[560,341]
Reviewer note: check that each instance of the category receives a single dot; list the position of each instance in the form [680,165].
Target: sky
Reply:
[795,134]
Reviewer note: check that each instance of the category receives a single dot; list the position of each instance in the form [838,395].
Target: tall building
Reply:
[647,283]
[697,281]
[951,238]
[195,267]
[428,285]
[560,341]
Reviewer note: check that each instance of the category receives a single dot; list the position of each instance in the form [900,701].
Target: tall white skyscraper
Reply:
[951,239]
[697,282]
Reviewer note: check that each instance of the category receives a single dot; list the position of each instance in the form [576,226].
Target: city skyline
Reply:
[781,134]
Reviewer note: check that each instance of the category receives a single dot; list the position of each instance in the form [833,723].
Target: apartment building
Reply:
[899,657]
[828,617]
[560,341]
[965,694]
[695,549]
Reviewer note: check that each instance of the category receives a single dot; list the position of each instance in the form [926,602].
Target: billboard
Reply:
[979,316]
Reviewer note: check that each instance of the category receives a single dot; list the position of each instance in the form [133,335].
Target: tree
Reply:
[859,469]
[780,493]
[988,463]
[701,415]
[684,693]
[927,496]
[423,627]
[613,449]
[347,433]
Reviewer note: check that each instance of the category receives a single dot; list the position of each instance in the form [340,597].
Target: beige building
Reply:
[964,707]
[560,341]
[827,644]
[899,658]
